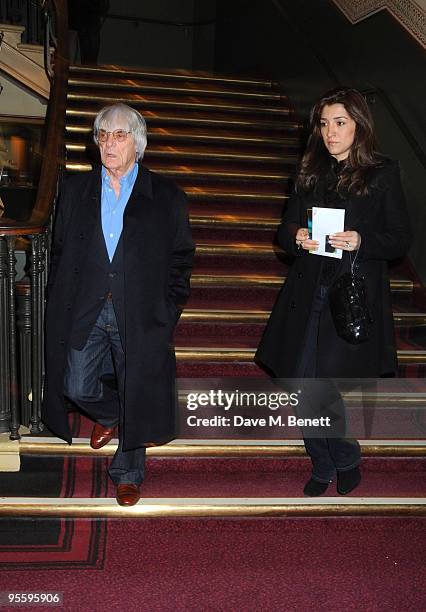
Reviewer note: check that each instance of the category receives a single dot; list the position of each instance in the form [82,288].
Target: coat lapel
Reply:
[90,217]
[138,214]
[142,190]
[90,204]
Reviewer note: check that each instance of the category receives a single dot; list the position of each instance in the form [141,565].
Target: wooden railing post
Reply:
[23,324]
[37,317]
[13,349]
[22,332]
[4,341]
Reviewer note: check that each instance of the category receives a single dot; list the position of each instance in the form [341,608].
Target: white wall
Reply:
[17,101]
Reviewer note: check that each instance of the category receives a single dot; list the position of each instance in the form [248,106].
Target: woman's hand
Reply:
[347,241]
[303,241]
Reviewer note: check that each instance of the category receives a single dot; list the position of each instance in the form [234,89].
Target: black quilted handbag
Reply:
[349,307]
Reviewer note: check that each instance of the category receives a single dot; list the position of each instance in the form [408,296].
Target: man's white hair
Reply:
[109,117]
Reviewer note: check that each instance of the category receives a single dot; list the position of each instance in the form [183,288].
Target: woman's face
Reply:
[337,130]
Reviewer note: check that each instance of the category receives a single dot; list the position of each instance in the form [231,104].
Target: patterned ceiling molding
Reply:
[411,14]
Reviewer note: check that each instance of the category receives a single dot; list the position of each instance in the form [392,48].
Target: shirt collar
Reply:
[126,180]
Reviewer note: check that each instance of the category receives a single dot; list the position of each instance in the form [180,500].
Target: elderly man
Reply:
[121,263]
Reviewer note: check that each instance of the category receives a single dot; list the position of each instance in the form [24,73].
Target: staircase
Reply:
[232,144]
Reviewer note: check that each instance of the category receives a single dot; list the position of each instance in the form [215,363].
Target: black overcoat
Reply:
[382,221]
[158,253]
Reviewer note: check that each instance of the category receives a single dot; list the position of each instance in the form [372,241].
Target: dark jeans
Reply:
[103,354]
[321,397]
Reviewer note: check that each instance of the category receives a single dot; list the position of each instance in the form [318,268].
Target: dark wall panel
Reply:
[130,43]
[310,46]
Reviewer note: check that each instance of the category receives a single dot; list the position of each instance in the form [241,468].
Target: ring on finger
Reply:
[348,244]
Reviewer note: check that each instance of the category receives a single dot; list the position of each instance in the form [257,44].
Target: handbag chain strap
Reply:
[353,262]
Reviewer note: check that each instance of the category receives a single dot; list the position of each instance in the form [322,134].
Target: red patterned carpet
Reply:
[34,543]
[344,564]
[77,544]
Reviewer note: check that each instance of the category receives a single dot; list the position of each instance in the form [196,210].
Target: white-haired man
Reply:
[121,263]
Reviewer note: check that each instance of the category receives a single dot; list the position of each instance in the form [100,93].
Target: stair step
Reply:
[210,105]
[247,333]
[214,507]
[197,89]
[234,222]
[236,250]
[217,448]
[261,280]
[177,75]
[201,174]
[206,194]
[236,280]
[182,135]
[208,315]
[411,357]
[244,354]
[191,153]
[196,120]
[410,319]
[237,196]
[197,174]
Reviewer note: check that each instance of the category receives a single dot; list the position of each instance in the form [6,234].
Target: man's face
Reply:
[117,154]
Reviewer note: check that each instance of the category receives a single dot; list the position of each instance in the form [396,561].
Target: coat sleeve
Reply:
[181,258]
[289,225]
[393,238]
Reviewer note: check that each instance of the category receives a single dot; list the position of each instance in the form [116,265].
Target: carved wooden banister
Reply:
[53,134]
[55,121]
[22,311]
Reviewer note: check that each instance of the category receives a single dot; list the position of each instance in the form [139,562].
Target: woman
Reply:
[340,169]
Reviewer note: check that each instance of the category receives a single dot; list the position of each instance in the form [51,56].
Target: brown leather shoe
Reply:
[128,494]
[101,435]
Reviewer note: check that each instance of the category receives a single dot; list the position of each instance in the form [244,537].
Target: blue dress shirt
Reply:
[112,208]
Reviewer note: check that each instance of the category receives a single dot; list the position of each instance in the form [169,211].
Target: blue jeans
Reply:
[103,354]
[322,398]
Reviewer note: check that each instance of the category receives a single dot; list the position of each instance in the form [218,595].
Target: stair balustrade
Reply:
[22,304]
[28,14]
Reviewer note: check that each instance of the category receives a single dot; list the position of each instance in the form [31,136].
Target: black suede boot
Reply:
[348,481]
[313,488]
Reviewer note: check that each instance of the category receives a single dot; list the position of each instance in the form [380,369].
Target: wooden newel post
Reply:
[37,311]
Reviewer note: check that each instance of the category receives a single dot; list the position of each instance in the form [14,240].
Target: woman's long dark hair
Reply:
[362,155]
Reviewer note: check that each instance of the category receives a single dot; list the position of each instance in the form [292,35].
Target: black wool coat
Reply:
[158,253]
[382,221]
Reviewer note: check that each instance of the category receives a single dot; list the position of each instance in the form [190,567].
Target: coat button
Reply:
[300,275]
[68,306]
[62,342]
[81,236]
[112,274]
[292,305]
[75,270]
